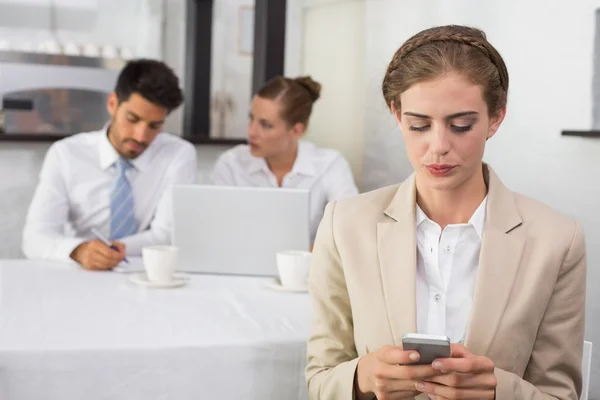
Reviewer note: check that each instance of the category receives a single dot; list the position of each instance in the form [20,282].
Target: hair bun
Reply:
[314,88]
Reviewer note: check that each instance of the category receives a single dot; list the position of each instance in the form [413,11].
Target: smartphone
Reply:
[430,347]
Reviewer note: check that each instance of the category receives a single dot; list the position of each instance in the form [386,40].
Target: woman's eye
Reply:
[461,129]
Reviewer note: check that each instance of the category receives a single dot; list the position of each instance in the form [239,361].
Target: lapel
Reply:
[397,248]
[501,251]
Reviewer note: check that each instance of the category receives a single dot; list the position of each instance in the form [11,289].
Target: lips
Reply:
[134,145]
[440,169]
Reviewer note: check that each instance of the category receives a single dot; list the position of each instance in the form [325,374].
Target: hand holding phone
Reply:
[473,375]
[390,371]
[429,347]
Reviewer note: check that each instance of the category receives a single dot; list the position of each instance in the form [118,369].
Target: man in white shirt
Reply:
[116,181]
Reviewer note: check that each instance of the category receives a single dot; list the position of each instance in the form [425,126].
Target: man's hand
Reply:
[463,376]
[95,255]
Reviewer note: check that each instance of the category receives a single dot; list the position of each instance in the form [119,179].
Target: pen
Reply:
[106,242]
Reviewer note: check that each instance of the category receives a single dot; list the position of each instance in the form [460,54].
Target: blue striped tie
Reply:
[122,215]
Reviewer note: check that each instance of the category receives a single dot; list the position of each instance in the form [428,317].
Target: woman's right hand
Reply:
[388,374]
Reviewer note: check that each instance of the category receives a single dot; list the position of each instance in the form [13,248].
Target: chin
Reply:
[442,183]
[131,154]
[444,186]
[256,152]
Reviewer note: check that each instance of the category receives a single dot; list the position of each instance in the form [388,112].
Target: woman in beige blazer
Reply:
[449,251]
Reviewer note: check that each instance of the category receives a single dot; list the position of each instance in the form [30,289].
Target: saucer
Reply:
[141,279]
[276,285]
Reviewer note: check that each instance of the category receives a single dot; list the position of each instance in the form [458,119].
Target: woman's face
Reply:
[445,124]
[269,136]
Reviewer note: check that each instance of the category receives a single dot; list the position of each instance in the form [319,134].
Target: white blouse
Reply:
[324,172]
[447,264]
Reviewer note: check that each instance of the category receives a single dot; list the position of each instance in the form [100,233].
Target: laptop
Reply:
[237,230]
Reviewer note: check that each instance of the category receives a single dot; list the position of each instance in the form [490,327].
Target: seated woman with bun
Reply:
[275,155]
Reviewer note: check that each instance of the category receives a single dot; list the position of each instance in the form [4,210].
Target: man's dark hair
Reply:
[151,79]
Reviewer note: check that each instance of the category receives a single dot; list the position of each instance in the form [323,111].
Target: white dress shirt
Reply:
[73,194]
[447,263]
[324,172]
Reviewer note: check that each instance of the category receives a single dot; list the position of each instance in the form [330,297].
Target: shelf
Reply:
[586,134]
[46,137]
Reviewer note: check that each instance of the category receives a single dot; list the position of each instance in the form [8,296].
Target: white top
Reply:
[447,263]
[324,172]
[71,334]
[73,195]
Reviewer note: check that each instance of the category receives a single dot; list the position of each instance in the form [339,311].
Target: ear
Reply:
[112,104]
[298,130]
[395,112]
[495,122]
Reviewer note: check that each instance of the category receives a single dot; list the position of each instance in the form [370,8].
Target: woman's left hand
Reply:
[465,376]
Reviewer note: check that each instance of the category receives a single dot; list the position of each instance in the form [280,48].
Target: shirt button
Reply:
[448,248]
[437,297]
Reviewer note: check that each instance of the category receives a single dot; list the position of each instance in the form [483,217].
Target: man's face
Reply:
[134,124]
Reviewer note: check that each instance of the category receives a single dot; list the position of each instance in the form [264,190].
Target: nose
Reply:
[252,130]
[142,133]
[440,141]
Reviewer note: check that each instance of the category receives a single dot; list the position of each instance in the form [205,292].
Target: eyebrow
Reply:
[141,119]
[451,116]
[263,120]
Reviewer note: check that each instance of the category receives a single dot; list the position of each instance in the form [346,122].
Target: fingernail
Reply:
[414,356]
[420,386]
[437,365]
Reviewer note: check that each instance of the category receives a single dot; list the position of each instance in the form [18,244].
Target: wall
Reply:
[333,53]
[19,167]
[134,24]
[548,46]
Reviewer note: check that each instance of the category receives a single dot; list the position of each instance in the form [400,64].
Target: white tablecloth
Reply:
[69,334]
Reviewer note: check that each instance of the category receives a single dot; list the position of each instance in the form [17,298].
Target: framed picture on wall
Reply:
[246,30]
[228,36]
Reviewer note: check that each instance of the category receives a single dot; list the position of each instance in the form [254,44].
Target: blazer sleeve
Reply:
[332,355]
[554,369]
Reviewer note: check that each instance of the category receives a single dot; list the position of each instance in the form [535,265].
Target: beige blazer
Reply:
[528,305]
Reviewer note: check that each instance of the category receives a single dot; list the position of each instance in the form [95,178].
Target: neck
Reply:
[283,162]
[456,206]
[111,139]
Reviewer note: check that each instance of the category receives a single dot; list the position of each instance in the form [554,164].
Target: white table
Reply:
[69,334]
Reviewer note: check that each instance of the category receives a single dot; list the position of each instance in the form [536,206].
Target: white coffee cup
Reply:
[293,267]
[160,262]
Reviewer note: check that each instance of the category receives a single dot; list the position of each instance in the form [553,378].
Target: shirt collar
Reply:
[303,165]
[108,154]
[256,164]
[477,220]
